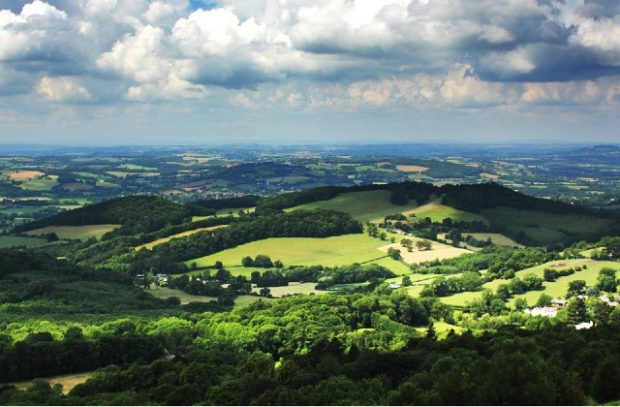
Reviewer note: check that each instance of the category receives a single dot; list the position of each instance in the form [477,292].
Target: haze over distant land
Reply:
[121,72]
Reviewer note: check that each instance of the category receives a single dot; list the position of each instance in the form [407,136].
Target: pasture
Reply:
[24,175]
[439,251]
[165,292]
[292,289]
[150,245]
[411,168]
[437,212]
[75,232]
[330,251]
[363,206]
[39,184]
[20,241]
[68,382]
[497,239]
[556,289]
[545,228]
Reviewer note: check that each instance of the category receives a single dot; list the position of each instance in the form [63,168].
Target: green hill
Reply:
[135,214]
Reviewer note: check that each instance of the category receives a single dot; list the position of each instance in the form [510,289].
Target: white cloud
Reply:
[62,89]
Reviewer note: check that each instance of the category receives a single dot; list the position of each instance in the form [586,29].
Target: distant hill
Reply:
[135,214]
[528,220]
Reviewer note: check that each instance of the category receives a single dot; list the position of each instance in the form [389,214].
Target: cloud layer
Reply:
[302,55]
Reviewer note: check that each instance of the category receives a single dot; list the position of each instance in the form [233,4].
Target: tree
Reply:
[577,311]
[278,264]
[544,300]
[219,265]
[424,244]
[430,332]
[454,235]
[607,280]
[247,261]
[406,281]
[606,381]
[265,292]
[576,288]
[521,304]
[394,253]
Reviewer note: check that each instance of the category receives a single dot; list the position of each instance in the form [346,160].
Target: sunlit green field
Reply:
[438,212]
[330,251]
[363,206]
[556,289]
[150,245]
[75,232]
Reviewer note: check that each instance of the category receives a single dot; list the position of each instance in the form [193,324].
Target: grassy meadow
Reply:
[363,206]
[20,241]
[150,245]
[330,251]
[554,289]
[75,232]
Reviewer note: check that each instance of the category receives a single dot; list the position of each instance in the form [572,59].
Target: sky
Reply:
[109,72]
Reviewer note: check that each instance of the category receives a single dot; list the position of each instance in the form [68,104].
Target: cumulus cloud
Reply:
[326,52]
[62,89]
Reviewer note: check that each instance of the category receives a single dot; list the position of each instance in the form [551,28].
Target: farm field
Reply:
[438,212]
[439,251]
[292,288]
[165,292]
[75,232]
[38,184]
[16,241]
[363,206]
[497,238]
[545,228]
[330,251]
[396,266]
[24,175]
[68,382]
[556,288]
[411,168]
[150,245]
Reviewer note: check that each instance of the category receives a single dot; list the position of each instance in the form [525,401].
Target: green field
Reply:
[330,251]
[545,228]
[363,206]
[554,289]
[150,245]
[75,232]
[496,238]
[164,292]
[16,241]
[398,267]
[293,288]
[39,184]
[438,212]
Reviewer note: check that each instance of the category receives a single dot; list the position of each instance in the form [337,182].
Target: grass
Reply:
[363,206]
[39,184]
[16,241]
[150,245]
[438,212]
[496,238]
[554,289]
[75,232]
[439,251]
[545,228]
[293,288]
[330,251]
[397,267]
[68,382]
[165,292]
